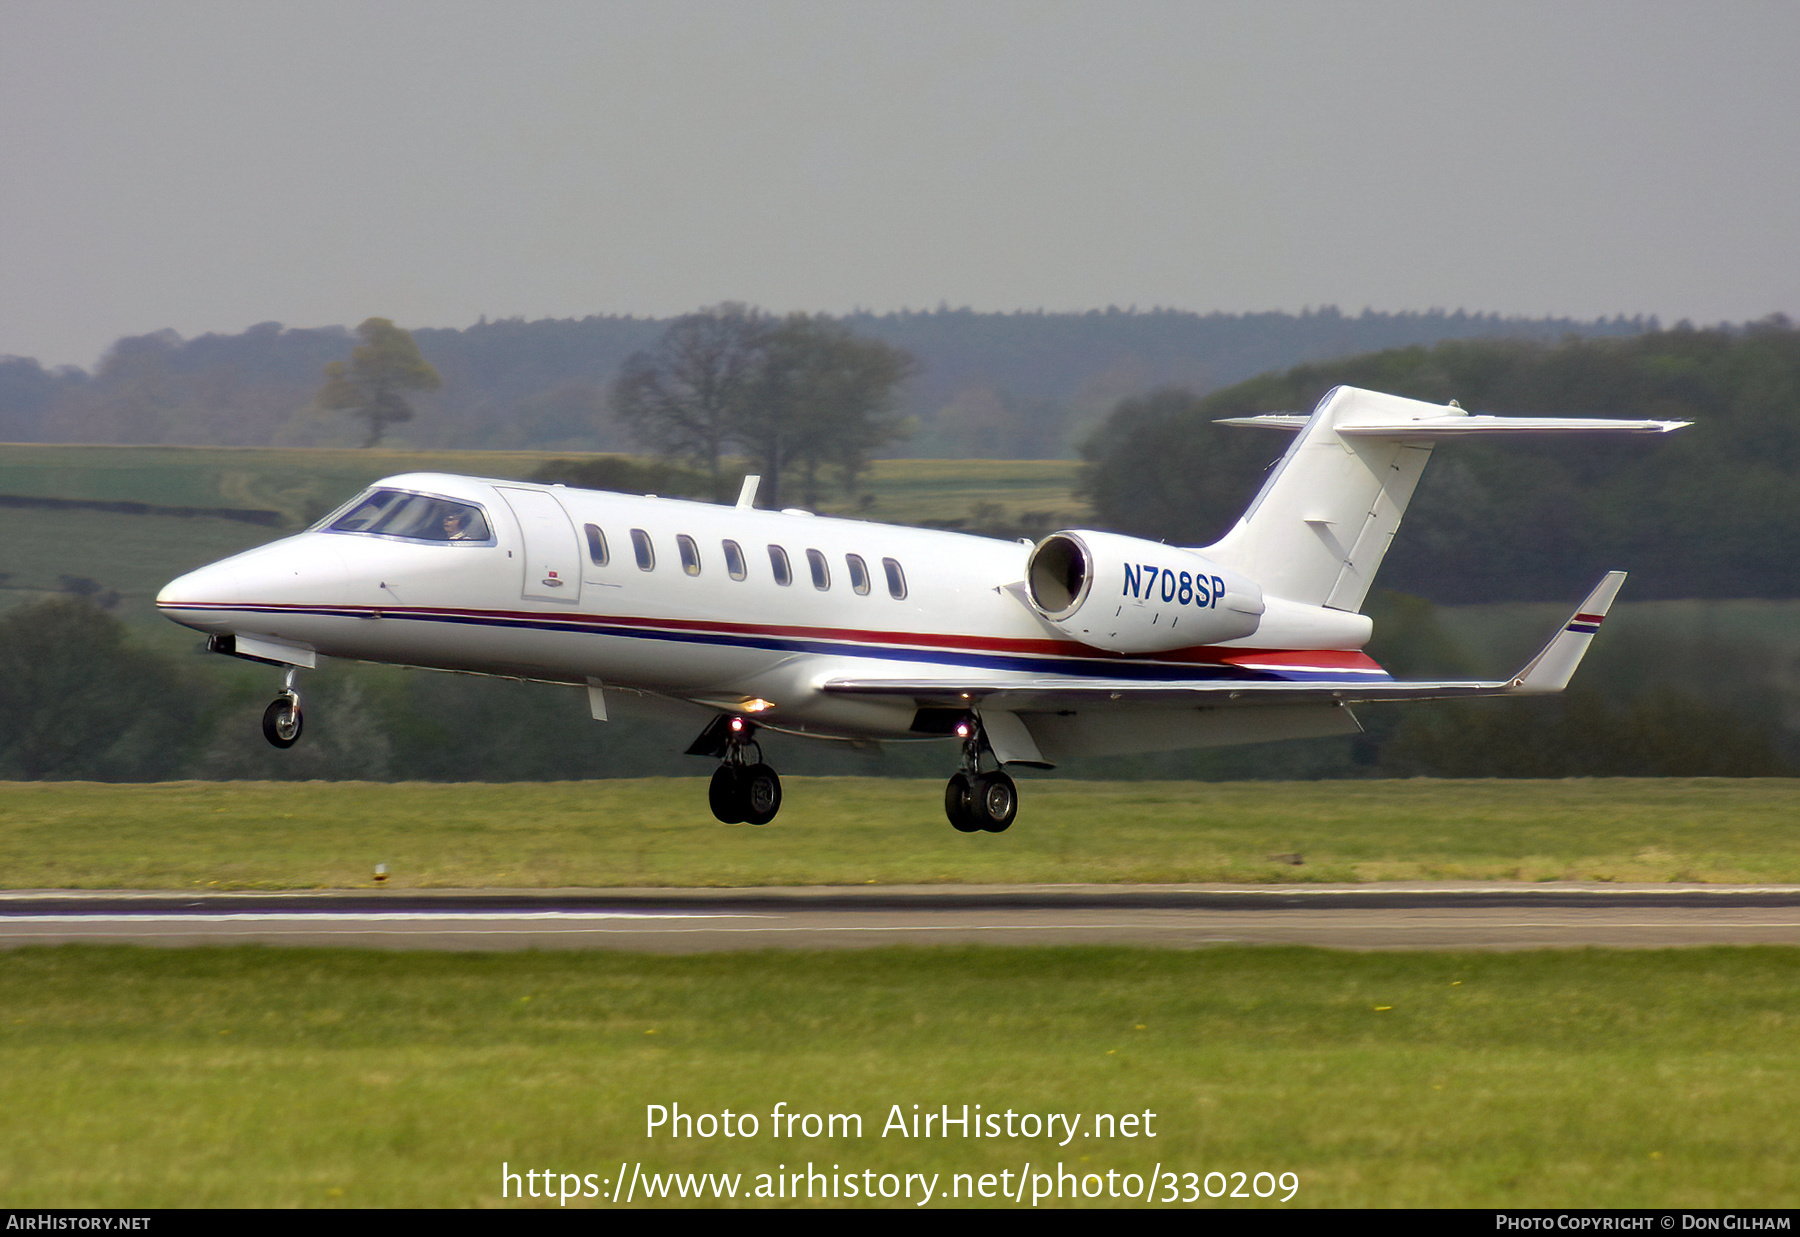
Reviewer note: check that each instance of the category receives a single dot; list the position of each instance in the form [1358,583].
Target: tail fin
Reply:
[1321,525]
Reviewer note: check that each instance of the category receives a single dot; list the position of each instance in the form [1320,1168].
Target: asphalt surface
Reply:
[1373,916]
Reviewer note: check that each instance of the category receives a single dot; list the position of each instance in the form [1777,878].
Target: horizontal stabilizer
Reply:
[1458,425]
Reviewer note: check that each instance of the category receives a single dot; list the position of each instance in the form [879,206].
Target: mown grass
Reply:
[853,831]
[293,1077]
[300,482]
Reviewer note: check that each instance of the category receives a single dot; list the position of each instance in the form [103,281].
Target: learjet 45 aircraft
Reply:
[1088,642]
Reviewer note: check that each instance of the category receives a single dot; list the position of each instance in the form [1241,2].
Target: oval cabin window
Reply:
[859,573]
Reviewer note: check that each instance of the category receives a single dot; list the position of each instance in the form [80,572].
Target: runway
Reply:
[1373,916]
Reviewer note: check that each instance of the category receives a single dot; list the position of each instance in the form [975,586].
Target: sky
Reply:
[206,166]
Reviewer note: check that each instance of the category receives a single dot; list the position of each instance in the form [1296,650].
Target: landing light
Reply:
[758,705]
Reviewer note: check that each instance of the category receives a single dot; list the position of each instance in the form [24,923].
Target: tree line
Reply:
[988,385]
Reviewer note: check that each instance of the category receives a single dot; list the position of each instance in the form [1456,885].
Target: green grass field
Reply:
[302,1077]
[292,1077]
[304,482]
[854,831]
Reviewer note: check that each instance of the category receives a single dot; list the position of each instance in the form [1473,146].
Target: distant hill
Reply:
[997,386]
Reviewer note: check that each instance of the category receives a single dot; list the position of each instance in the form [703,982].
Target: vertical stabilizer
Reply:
[1319,529]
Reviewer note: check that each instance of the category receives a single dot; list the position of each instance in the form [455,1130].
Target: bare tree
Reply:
[690,397]
[796,393]
[827,405]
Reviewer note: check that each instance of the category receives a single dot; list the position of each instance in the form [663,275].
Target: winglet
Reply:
[1551,670]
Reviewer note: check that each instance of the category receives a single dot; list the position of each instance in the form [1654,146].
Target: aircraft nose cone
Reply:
[212,584]
[193,600]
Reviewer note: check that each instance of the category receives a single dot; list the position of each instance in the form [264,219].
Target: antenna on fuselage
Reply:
[747,495]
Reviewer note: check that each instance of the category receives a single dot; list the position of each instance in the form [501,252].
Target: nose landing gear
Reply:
[281,721]
[978,802]
[742,791]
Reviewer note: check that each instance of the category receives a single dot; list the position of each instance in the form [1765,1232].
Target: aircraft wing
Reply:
[1548,672]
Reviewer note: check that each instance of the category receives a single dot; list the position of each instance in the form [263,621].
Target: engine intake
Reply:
[1128,595]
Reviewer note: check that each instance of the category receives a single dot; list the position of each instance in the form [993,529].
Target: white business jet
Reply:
[1086,643]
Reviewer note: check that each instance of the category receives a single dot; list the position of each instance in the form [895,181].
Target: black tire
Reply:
[993,802]
[759,793]
[281,722]
[956,804]
[724,795]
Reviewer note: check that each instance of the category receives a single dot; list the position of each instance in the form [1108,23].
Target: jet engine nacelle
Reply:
[1128,595]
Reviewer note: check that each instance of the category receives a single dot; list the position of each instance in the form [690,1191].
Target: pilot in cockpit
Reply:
[457,525]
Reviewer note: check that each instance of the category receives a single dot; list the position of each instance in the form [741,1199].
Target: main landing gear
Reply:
[978,802]
[281,720]
[742,791]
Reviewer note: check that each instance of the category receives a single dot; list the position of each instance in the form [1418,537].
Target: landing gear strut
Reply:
[281,721]
[975,801]
[742,791]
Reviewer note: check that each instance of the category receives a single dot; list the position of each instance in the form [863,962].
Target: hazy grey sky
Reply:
[209,165]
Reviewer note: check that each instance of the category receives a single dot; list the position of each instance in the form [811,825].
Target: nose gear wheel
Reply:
[281,721]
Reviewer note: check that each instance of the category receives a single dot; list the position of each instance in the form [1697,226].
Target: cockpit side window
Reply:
[416,517]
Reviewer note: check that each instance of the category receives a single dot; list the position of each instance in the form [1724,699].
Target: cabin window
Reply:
[416,517]
[895,577]
[596,544]
[734,560]
[859,574]
[778,562]
[690,554]
[821,570]
[646,553]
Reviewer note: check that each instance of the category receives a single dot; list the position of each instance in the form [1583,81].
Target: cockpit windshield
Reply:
[418,517]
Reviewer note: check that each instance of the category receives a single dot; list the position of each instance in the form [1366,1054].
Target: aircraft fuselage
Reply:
[719,605]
